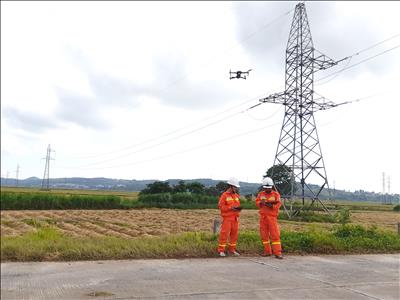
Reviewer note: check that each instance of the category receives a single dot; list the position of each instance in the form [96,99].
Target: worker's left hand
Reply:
[269,205]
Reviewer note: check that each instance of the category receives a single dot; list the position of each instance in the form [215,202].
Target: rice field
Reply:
[157,222]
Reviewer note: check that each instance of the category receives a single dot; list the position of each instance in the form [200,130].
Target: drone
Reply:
[238,74]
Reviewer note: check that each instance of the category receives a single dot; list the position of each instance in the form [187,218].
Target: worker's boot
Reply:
[265,254]
[279,256]
[222,254]
[234,253]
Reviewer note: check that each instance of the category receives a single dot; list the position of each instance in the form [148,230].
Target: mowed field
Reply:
[157,222]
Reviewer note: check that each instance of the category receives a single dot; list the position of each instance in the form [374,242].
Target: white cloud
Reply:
[95,77]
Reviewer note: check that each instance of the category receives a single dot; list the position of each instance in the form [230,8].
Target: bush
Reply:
[343,216]
[309,216]
[177,200]
[396,207]
[38,201]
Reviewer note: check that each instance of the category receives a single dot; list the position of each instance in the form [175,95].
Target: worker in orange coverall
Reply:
[229,205]
[269,201]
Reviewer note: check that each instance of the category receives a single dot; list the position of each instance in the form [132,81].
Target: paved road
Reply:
[295,277]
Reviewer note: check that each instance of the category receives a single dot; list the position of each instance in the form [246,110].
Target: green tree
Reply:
[221,187]
[157,187]
[211,191]
[180,187]
[281,175]
[195,187]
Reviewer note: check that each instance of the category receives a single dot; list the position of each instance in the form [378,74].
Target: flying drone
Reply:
[239,74]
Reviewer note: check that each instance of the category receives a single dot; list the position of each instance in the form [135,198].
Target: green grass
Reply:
[48,244]
[37,201]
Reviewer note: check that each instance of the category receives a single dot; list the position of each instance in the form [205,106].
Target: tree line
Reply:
[197,188]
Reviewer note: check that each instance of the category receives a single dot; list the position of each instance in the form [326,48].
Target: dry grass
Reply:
[155,222]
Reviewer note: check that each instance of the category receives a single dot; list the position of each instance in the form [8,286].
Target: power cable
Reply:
[169,133]
[234,46]
[360,62]
[183,151]
[170,139]
[185,76]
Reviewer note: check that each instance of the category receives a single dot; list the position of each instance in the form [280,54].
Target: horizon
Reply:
[190,179]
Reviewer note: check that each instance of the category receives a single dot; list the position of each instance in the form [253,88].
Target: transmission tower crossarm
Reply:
[325,105]
[323,62]
[330,104]
[278,98]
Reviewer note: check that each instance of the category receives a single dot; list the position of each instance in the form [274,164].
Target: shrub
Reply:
[38,201]
[177,200]
[309,216]
[343,216]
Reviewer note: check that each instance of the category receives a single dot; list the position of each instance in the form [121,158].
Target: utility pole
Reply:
[46,175]
[298,146]
[16,175]
[383,188]
[390,201]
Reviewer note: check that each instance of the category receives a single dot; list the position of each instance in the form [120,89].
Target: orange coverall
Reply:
[269,229]
[230,221]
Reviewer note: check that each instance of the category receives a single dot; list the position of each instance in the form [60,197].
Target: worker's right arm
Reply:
[222,205]
[259,202]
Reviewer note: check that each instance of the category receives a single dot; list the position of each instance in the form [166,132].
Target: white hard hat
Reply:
[233,181]
[267,182]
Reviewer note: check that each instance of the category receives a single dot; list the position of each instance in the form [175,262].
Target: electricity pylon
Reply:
[46,175]
[298,147]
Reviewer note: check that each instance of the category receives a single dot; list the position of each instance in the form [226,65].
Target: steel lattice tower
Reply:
[298,147]
[46,175]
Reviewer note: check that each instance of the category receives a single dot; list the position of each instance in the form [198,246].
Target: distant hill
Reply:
[102,183]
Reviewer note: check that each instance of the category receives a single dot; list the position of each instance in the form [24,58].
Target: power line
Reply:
[376,44]
[234,46]
[171,132]
[360,62]
[185,151]
[261,28]
[170,139]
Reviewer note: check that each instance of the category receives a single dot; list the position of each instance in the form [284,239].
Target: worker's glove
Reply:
[237,208]
[269,205]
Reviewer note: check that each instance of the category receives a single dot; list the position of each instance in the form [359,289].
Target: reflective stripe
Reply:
[266,242]
[222,245]
[232,244]
[276,243]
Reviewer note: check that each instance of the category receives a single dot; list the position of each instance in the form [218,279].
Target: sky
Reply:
[141,90]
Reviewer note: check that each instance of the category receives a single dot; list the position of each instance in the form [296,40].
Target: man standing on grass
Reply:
[269,201]
[229,205]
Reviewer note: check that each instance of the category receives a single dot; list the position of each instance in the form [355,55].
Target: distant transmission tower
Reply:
[383,187]
[16,175]
[46,175]
[390,199]
[298,147]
